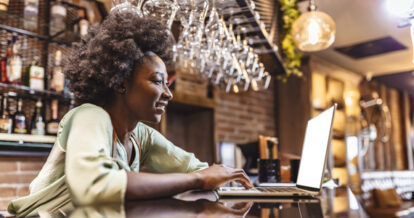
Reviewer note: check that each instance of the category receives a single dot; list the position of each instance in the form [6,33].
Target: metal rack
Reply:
[37,42]
[258,23]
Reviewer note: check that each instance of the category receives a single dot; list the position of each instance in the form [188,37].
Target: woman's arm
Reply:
[150,185]
[92,175]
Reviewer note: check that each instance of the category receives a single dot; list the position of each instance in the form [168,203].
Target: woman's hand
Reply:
[217,175]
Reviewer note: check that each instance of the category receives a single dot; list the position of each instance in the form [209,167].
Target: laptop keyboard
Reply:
[279,189]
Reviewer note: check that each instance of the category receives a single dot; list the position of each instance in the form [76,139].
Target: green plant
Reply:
[291,56]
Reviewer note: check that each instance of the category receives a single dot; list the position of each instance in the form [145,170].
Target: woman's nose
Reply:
[167,93]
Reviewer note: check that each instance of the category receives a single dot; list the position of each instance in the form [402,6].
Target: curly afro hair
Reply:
[109,53]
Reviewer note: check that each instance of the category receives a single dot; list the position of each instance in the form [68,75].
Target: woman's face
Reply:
[147,92]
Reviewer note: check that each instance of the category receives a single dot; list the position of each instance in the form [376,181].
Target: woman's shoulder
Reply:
[86,112]
[142,128]
[88,109]
[86,116]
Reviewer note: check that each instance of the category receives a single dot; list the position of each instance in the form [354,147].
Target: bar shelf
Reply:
[28,92]
[25,145]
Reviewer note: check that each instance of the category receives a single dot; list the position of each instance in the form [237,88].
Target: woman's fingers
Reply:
[242,178]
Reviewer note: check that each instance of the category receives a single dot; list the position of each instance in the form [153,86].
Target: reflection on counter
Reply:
[332,203]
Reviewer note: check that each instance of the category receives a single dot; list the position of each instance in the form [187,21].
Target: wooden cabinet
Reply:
[189,124]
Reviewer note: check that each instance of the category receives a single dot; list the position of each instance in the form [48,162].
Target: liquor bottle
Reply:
[9,53]
[53,124]
[83,23]
[58,79]
[57,19]
[19,120]
[38,123]
[3,71]
[31,12]
[81,28]
[35,74]
[6,121]
[14,63]
[4,5]
[66,90]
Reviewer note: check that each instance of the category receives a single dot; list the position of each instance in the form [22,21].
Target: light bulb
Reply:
[313,31]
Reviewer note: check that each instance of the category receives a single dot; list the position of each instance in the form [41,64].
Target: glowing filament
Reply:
[313,32]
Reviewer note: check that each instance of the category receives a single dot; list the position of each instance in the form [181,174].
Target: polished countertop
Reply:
[332,203]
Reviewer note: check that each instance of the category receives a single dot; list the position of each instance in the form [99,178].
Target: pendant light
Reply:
[313,30]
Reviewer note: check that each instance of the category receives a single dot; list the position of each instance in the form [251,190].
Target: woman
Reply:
[117,74]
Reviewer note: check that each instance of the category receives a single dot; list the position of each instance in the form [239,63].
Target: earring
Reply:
[123,90]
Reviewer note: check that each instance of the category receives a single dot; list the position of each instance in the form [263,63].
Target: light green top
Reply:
[80,168]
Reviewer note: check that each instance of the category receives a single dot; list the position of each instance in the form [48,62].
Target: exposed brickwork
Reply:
[242,117]
[16,173]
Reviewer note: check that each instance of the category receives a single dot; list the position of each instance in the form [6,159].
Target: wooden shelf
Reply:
[25,138]
[24,90]
[25,145]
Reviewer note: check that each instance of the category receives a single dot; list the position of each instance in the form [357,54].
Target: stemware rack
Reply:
[262,29]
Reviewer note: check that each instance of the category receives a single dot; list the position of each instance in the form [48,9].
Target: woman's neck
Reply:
[122,121]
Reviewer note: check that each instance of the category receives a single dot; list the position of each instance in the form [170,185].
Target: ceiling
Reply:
[360,21]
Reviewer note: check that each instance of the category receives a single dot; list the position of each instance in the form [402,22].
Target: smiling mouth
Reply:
[160,107]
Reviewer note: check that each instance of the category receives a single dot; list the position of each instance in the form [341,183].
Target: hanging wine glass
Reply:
[127,5]
[163,10]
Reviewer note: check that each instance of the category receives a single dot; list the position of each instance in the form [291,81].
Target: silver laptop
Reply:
[312,164]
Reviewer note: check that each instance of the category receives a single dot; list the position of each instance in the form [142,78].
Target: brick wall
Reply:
[15,177]
[239,118]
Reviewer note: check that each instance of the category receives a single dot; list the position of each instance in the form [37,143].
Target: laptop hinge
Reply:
[308,189]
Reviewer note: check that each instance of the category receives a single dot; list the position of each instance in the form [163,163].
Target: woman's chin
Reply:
[155,120]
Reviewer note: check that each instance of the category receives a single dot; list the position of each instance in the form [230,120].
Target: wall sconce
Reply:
[313,30]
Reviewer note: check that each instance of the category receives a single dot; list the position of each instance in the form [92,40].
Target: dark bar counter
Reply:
[331,203]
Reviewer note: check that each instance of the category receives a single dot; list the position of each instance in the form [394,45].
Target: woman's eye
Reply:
[157,81]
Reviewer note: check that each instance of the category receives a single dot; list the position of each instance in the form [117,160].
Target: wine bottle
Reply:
[38,123]
[31,12]
[19,120]
[3,71]
[58,79]
[83,24]
[57,19]
[35,75]
[53,124]
[14,63]
[6,121]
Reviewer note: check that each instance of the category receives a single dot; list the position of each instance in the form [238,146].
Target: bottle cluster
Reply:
[13,71]
[58,18]
[19,122]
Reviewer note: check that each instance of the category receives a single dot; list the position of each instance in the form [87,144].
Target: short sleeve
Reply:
[91,174]
[162,156]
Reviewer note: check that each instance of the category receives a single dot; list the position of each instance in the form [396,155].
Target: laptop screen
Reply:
[314,149]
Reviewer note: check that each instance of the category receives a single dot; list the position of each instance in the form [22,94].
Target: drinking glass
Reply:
[163,10]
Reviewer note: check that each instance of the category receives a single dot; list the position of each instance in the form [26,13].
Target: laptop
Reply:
[312,164]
